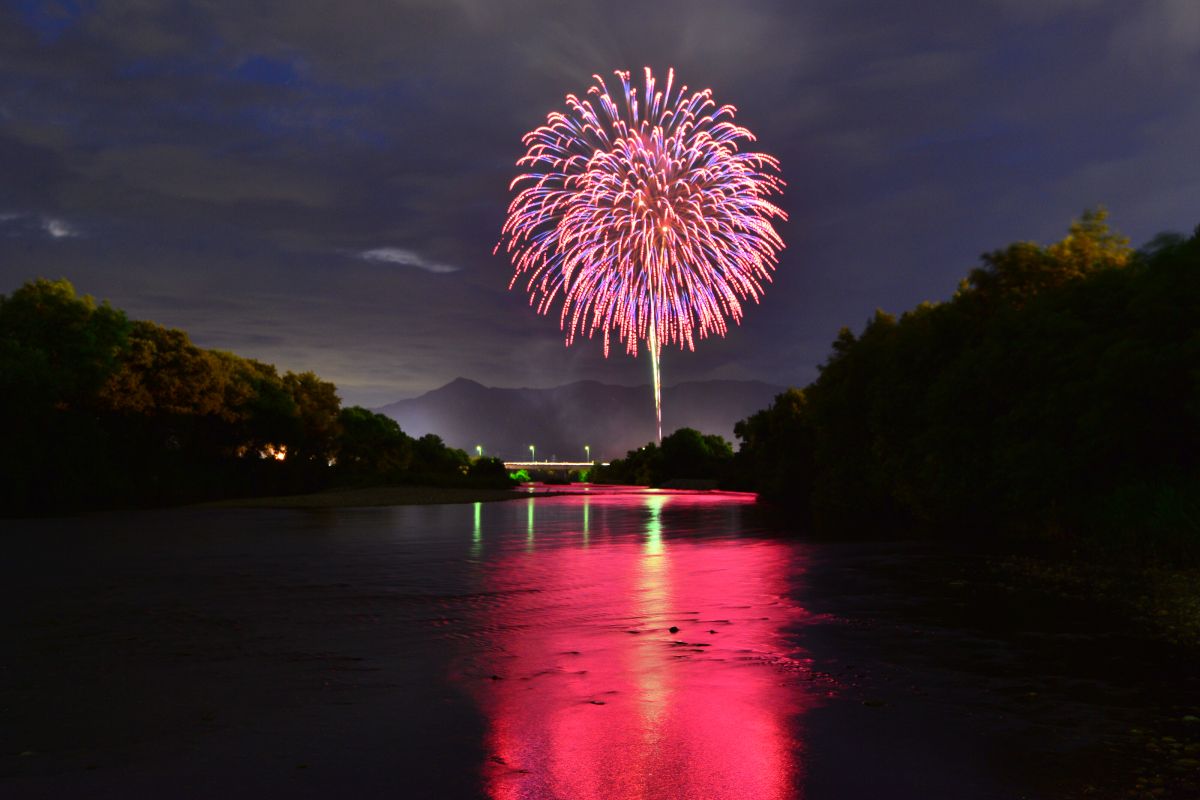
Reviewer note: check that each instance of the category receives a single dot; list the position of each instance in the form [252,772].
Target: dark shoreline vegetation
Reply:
[1046,416]
[1053,402]
[101,411]
[366,496]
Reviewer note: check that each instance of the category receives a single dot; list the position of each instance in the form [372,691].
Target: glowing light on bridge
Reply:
[643,217]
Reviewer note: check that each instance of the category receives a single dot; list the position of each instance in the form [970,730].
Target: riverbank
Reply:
[1098,702]
[1164,600]
[373,496]
[1160,748]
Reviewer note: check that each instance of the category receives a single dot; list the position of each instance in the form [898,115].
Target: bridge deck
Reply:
[549,465]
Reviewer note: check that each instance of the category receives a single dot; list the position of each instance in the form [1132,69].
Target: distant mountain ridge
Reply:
[559,421]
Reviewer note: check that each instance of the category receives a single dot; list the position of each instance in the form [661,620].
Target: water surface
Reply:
[636,647]
[613,645]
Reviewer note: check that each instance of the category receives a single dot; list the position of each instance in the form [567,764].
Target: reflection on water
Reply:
[529,526]
[262,653]
[587,513]
[587,690]
[477,532]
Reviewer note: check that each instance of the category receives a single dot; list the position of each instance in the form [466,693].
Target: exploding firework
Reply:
[643,218]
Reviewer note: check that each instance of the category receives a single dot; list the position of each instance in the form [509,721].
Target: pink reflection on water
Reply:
[594,697]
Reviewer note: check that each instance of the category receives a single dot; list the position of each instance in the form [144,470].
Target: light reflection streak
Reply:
[477,532]
[587,508]
[597,700]
[654,604]
[529,539]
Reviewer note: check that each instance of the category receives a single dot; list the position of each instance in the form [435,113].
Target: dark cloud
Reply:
[321,183]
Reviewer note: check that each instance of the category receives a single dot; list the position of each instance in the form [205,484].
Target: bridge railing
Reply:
[550,465]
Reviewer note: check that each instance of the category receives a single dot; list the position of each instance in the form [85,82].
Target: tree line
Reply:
[101,411]
[1055,396]
[687,455]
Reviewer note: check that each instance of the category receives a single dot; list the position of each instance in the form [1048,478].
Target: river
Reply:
[606,644]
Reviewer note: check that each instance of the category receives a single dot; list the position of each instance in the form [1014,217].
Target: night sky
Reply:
[320,184]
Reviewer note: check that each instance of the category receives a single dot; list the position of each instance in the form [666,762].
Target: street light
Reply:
[532,454]
[479,450]
[587,448]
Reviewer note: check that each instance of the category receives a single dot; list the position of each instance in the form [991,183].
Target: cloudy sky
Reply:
[320,184]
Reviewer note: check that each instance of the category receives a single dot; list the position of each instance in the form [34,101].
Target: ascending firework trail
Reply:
[644,217]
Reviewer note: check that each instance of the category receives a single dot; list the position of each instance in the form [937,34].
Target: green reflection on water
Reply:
[654,543]
[477,532]
[587,502]
[529,518]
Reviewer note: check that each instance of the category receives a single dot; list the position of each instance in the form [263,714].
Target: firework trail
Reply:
[642,216]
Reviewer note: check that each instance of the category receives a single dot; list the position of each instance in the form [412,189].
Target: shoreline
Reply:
[426,495]
[372,496]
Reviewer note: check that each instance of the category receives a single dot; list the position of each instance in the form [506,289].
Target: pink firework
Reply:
[644,217]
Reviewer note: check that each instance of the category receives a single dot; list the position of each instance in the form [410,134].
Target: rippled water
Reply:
[616,644]
[637,647]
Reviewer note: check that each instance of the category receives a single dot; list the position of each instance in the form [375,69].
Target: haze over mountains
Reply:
[561,420]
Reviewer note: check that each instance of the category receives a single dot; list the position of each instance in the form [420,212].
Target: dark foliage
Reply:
[1056,395]
[685,455]
[101,411]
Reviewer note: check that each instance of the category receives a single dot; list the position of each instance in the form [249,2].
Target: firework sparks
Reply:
[643,217]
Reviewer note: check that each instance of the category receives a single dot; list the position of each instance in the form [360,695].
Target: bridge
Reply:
[550,466]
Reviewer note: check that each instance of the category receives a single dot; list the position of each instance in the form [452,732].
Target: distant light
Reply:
[275,451]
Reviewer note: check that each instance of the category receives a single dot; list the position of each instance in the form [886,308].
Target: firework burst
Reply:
[643,217]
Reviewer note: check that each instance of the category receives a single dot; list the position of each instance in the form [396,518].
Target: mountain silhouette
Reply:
[561,420]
